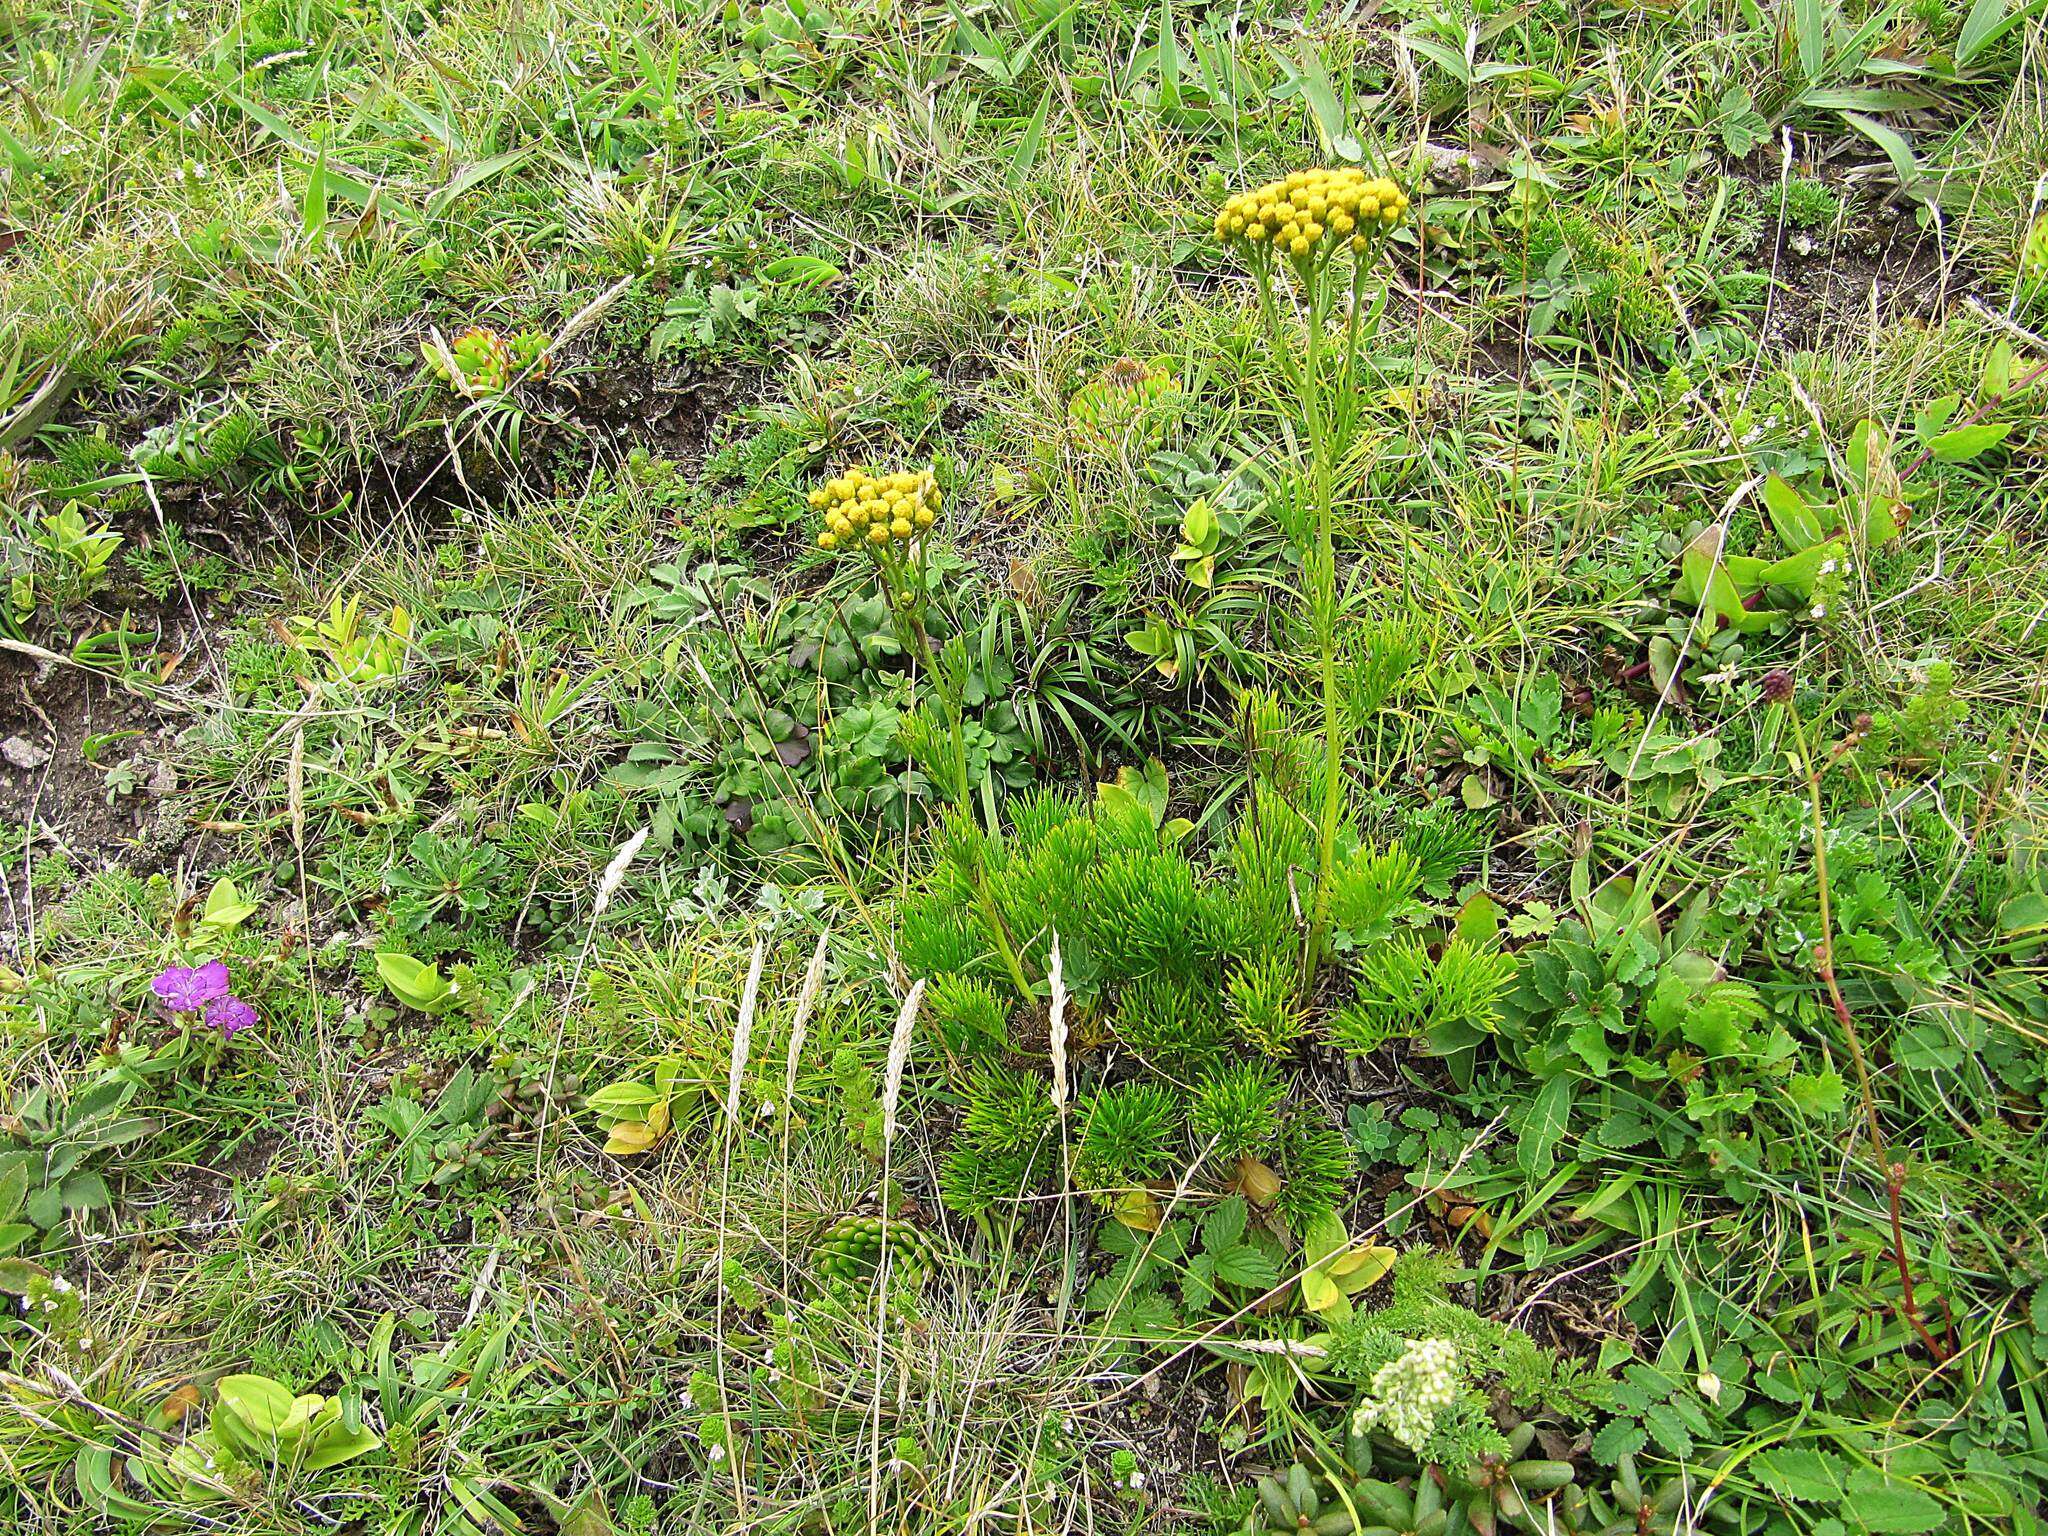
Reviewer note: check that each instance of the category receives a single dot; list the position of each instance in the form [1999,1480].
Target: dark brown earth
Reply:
[51,710]
[73,800]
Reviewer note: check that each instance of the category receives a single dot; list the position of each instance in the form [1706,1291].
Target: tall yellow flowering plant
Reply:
[1312,239]
[885,519]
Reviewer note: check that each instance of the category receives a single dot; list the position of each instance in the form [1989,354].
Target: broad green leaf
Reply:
[800,271]
[627,1099]
[416,983]
[1801,571]
[225,908]
[337,1445]
[1897,148]
[86,1192]
[13,1190]
[629,1138]
[1810,22]
[1797,524]
[1544,1127]
[1025,156]
[257,1406]
[1987,22]
[1961,444]
[17,1274]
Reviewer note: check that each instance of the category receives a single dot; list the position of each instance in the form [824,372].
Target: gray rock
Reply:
[23,753]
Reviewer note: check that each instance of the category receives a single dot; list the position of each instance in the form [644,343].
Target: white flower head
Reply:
[1409,1392]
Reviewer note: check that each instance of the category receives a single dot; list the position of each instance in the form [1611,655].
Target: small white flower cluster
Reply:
[58,1288]
[1409,1392]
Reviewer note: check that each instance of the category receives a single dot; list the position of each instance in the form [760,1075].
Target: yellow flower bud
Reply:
[924,518]
[828,541]
[901,528]
[879,534]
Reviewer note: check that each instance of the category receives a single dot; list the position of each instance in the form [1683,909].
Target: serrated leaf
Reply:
[1622,1131]
[86,1192]
[1817,1093]
[1542,711]
[1670,1430]
[1246,1266]
[1589,1040]
[1620,1437]
[1148,1316]
[1225,1222]
[1881,1504]
[1807,1476]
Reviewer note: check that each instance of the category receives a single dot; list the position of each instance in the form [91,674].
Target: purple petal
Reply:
[211,980]
[228,1015]
[187,989]
[178,987]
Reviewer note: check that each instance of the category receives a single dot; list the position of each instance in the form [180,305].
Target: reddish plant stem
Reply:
[1990,403]
[1824,963]
[1894,1182]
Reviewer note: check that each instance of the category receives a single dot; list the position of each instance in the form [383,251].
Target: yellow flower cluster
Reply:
[1299,214]
[877,508]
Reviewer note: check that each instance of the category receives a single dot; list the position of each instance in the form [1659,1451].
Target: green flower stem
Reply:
[985,903]
[906,581]
[1322,392]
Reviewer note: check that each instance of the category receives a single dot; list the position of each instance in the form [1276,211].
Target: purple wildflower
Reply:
[229,1014]
[187,989]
